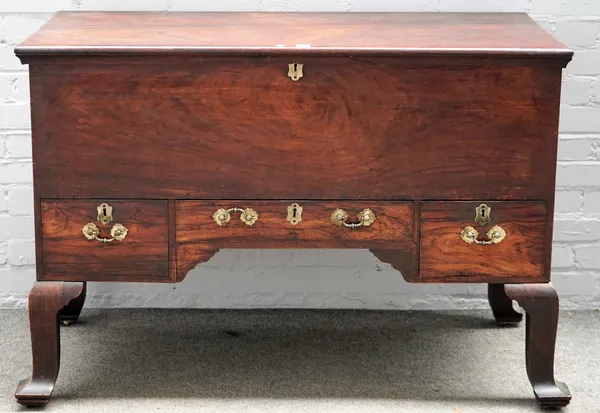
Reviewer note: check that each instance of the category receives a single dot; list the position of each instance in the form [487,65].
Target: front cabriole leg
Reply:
[540,303]
[46,301]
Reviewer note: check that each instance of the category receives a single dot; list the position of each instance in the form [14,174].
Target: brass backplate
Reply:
[294,215]
[104,213]
[295,71]
[483,215]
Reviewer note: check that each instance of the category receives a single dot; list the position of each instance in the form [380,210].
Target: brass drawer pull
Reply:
[366,217]
[91,232]
[222,216]
[495,235]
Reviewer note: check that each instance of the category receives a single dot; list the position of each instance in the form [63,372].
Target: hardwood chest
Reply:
[160,138]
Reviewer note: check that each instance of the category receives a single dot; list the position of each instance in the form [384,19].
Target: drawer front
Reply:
[240,128]
[68,254]
[523,254]
[392,227]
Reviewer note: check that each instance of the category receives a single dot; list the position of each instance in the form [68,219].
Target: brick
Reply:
[576,149]
[576,91]
[17,27]
[246,5]
[20,200]
[574,119]
[15,116]
[121,5]
[574,283]
[21,279]
[3,202]
[386,5]
[476,6]
[584,63]
[591,203]
[8,60]
[18,145]
[13,228]
[565,7]
[304,5]
[14,87]
[3,253]
[588,257]
[596,92]
[578,174]
[568,202]
[575,33]
[576,230]
[562,257]
[16,173]
[37,6]
[21,253]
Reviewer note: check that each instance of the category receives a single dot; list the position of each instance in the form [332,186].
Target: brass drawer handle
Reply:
[366,217]
[222,216]
[495,235]
[91,232]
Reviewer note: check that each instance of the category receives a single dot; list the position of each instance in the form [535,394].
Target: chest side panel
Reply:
[239,128]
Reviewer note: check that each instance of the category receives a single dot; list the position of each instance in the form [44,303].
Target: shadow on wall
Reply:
[291,278]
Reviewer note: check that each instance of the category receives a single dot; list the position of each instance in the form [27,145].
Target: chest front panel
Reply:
[240,128]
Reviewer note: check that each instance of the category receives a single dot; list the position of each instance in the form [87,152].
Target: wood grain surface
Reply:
[444,256]
[239,128]
[68,255]
[393,227]
[488,34]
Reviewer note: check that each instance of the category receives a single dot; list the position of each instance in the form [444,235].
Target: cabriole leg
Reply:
[502,306]
[46,301]
[540,303]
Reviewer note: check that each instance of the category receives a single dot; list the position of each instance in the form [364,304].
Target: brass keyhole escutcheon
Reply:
[295,71]
[294,216]
[483,215]
[104,213]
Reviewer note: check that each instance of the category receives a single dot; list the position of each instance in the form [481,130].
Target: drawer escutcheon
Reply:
[295,71]
[294,216]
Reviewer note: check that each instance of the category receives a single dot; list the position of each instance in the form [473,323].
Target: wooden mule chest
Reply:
[428,138]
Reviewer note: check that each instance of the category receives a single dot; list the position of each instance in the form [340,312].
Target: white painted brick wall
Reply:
[318,278]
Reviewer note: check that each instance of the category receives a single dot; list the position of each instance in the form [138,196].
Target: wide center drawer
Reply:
[275,224]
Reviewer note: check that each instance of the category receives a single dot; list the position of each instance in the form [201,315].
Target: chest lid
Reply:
[234,33]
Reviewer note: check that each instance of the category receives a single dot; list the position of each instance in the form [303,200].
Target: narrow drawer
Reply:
[511,245]
[392,226]
[68,254]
